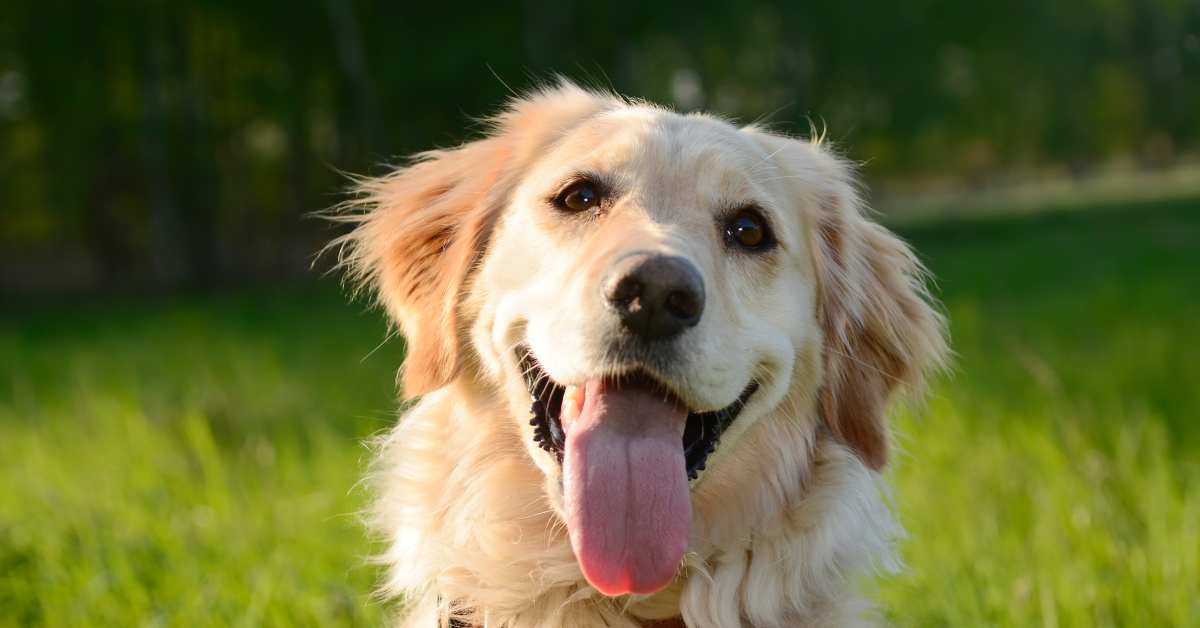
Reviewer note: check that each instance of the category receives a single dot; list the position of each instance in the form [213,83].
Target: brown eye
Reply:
[747,229]
[579,196]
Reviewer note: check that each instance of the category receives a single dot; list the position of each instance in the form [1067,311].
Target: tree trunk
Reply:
[353,59]
[166,251]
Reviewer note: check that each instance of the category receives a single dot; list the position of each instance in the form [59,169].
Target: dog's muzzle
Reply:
[700,437]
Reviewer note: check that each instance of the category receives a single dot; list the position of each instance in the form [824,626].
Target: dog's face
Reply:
[642,287]
[650,246]
[654,243]
[651,270]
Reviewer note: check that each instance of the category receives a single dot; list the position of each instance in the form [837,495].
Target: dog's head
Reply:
[642,287]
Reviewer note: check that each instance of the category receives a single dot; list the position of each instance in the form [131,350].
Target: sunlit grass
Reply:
[189,463]
[1053,479]
[194,462]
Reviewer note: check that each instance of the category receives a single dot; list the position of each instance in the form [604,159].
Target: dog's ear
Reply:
[421,230]
[880,328]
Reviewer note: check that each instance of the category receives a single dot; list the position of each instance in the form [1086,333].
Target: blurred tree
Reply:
[176,143]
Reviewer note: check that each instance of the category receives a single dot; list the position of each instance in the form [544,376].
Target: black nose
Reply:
[656,296]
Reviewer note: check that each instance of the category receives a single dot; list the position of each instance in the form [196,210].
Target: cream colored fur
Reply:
[462,251]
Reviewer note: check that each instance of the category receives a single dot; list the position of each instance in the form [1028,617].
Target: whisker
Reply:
[392,333]
[767,160]
[782,177]
[865,365]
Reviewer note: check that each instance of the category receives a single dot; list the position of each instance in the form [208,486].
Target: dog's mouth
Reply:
[702,431]
[628,447]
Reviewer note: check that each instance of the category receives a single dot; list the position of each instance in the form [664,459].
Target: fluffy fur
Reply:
[464,255]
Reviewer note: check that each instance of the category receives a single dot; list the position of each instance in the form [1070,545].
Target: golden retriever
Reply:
[654,353]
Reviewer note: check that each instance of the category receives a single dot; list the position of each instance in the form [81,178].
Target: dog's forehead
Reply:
[669,156]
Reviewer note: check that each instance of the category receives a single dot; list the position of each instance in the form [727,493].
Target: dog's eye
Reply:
[579,196]
[747,229]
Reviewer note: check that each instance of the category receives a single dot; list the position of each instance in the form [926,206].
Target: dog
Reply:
[653,354]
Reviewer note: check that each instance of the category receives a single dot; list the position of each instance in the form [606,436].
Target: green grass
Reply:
[1055,479]
[193,462]
[189,463]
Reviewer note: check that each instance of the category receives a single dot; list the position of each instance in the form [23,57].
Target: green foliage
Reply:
[182,141]
[194,462]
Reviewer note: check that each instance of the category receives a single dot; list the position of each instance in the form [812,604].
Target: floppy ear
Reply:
[881,330]
[421,230]
[420,233]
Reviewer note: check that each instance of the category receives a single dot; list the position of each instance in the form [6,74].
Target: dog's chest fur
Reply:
[469,530]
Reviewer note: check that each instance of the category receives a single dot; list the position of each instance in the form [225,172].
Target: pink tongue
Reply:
[627,502]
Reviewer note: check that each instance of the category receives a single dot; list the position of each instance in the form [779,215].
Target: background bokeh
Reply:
[182,143]
[184,395]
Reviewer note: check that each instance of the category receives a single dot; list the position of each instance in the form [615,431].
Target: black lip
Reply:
[700,436]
